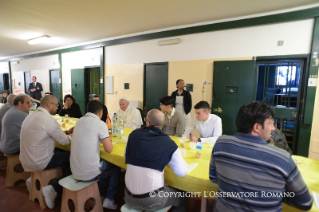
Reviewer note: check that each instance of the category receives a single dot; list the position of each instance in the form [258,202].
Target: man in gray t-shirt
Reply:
[174,120]
[5,108]
[11,124]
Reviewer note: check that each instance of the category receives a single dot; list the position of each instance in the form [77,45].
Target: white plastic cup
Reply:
[182,142]
[183,152]
[192,145]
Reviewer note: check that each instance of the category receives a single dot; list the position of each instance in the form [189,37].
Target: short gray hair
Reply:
[20,98]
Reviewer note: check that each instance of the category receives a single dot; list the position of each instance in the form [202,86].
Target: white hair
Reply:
[124,98]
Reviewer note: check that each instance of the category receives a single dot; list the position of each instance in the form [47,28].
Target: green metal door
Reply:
[78,87]
[54,84]
[155,84]
[234,84]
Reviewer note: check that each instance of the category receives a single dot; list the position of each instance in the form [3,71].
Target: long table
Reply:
[197,181]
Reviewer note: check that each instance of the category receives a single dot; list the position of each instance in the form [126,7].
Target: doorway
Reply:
[155,84]
[85,83]
[27,81]
[55,84]
[279,85]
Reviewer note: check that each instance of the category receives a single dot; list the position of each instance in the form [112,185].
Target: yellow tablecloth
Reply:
[198,179]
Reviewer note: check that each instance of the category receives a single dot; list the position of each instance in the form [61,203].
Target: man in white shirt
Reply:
[208,125]
[86,164]
[131,116]
[39,131]
[148,151]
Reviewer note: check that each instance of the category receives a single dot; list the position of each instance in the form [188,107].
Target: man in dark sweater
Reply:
[148,151]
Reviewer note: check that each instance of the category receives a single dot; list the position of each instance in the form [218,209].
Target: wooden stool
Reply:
[3,159]
[127,208]
[15,170]
[79,192]
[40,179]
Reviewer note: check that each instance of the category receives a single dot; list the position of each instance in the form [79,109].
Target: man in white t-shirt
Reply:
[131,116]
[86,164]
[208,125]
[39,132]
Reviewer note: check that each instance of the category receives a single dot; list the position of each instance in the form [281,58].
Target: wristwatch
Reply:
[199,140]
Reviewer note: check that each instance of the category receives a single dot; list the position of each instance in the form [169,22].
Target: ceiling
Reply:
[74,22]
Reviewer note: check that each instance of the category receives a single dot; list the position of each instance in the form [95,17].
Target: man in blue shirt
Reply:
[253,175]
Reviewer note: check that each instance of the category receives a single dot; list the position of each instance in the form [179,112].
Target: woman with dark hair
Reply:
[182,100]
[70,107]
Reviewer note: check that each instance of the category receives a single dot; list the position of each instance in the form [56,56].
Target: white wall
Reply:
[38,67]
[38,63]
[242,42]
[17,82]
[74,60]
[4,67]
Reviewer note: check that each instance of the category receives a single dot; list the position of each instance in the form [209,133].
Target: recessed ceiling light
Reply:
[41,39]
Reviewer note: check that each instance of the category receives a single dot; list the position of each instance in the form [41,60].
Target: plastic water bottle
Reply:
[199,149]
[120,127]
[34,106]
[114,126]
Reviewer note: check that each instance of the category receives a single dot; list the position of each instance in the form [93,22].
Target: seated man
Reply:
[145,166]
[4,96]
[39,132]
[11,122]
[278,139]
[244,164]
[105,112]
[6,107]
[131,116]
[174,120]
[208,125]
[86,164]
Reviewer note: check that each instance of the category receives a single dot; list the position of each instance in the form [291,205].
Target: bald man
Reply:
[131,116]
[145,166]
[5,108]
[39,132]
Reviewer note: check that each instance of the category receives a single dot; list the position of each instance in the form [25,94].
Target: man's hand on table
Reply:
[193,138]
[70,131]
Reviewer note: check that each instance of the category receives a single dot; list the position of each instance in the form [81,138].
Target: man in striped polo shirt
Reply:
[251,174]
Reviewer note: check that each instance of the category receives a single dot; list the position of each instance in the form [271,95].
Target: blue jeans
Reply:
[59,158]
[110,175]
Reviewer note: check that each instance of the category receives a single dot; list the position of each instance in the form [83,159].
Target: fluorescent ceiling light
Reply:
[41,39]
[168,42]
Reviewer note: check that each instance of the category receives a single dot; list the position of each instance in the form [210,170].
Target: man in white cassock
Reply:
[131,116]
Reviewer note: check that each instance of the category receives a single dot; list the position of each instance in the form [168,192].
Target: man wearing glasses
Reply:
[148,151]
[39,132]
